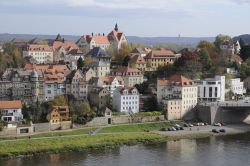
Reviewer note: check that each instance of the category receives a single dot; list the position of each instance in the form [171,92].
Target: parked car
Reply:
[173,129]
[181,128]
[169,129]
[185,125]
[215,131]
[222,130]
[177,125]
[190,125]
[163,129]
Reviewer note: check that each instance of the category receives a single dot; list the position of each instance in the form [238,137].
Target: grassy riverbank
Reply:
[136,127]
[53,134]
[77,143]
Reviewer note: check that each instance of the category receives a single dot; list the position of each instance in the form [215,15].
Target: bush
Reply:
[154,113]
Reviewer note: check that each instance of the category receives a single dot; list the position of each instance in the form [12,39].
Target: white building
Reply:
[211,89]
[178,95]
[236,86]
[109,82]
[42,54]
[11,111]
[126,100]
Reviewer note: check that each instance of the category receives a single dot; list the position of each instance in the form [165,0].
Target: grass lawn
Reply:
[135,127]
[53,134]
[76,143]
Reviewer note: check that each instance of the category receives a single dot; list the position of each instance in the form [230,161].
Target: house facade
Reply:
[211,89]
[137,61]
[126,100]
[58,114]
[160,57]
[42,54]
[99,97]
[11,111]
[177,95]
[237,86]
[109,82]
[21,84]
[131,76]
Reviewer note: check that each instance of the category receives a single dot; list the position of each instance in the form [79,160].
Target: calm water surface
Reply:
[220,151]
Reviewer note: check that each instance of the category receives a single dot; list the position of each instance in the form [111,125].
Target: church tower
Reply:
[116,27]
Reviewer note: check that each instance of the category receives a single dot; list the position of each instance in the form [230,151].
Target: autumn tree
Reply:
[124,51]
[220,39]
[205,44]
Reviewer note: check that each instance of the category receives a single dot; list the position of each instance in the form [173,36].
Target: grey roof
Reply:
[98,52]
[138,50]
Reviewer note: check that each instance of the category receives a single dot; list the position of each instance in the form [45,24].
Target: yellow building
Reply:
[58,114]
[178,95]
[160,57]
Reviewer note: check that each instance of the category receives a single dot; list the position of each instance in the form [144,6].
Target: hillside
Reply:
[245,37]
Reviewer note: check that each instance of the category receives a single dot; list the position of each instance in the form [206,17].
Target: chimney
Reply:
[103,34]
[92,34]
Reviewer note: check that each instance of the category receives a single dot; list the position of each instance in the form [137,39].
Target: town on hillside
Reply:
[103,79]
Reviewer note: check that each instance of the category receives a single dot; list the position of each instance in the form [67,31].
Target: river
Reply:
[213,151]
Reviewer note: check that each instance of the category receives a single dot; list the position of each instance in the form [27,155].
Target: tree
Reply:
[84,113]
[245,52]
[59,101]
[205,44]
[126,61]
[220,39]
[80,63]
[124,51]
[143,88]
[150,104]
[205,59]
[242,43]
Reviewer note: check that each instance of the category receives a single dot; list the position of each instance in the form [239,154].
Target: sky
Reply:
[146,18]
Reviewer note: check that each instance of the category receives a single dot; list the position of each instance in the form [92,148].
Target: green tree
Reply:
[124,51]
[220,39]
[80,63]
[245,52]
[205,44]
[205,59]
[59,101]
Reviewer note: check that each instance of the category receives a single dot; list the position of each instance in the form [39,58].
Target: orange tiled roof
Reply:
[66,45]
[10,104]
[176,80]
[101,39]
[236,58]
[124,69]
[160,53]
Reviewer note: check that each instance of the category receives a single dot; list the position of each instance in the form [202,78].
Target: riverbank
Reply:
[205,131]
[35,146]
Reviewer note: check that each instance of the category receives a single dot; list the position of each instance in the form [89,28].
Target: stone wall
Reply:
[102,121]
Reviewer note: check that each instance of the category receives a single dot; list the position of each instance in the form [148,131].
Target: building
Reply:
[140,51]
[72,58]
[109,82]
[21,84]
[247,83]
[62,48]
[126,100]
[137,61]
[11,111]
[211,89]
[42,54]
[58,114]
[131,76]
[230,47]
[160,57]
[77,83]
[99,97]
[177,95]
[115,39]
[235,58]
[236,86]
[54,79]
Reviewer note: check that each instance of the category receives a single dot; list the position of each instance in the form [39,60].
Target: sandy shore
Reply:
[205,131]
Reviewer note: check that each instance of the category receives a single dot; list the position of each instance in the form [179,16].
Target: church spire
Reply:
[116,27]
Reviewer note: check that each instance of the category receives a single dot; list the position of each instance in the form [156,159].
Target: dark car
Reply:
[181,128]
[222,130]
[215,131]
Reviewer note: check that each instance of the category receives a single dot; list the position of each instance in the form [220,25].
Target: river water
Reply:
[213,151]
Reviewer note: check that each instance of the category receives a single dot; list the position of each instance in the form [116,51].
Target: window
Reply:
[210,91]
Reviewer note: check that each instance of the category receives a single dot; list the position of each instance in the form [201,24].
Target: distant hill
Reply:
[245,37]
[168,40]
[192,41]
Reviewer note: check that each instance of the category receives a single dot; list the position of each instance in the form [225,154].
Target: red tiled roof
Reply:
[160,53]
[137,59]
[101,39]
[236,58]
[10,104]
[176,80]
[65,44]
